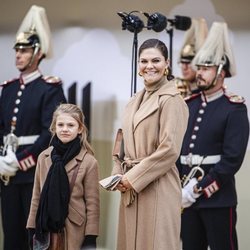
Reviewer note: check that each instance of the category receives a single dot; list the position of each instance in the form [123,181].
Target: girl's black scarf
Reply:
[53,206]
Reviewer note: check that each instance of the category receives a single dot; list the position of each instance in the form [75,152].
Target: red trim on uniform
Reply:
[211,189]
[191,97]
[231,229]
[27,162]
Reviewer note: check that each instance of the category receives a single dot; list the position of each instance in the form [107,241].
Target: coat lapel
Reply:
[152,104]
[75,161]
[146,109]
[128,125]
[48,161]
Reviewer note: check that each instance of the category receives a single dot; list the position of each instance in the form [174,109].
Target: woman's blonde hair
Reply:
[75,112]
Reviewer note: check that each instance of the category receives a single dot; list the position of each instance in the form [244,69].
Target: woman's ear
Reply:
[167,62]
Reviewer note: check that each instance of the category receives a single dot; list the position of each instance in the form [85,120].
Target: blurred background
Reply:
[91,50]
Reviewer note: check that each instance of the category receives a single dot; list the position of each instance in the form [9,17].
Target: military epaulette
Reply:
[191,97]
[234,98]
[52,80]
[5,83]
[180,82]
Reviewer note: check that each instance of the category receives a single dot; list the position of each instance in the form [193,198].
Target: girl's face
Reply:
[67,128]
[152,65]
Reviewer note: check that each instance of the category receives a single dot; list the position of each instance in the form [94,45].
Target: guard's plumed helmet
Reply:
[193,40]
[217,51]
[34,32]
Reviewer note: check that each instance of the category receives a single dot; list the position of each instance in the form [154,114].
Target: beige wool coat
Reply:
[153,133]
[83,217]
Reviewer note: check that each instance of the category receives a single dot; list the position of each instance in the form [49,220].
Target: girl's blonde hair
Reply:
[75,112]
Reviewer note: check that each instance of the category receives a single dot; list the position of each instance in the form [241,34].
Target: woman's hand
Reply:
[121,187]
[124,185]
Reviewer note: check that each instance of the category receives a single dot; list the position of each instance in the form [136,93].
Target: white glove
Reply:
[11,159]
[188,195]
[190,188]
[6,169]
[187,199]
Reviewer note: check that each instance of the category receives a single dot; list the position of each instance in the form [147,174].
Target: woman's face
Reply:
[152,65]
[67,128]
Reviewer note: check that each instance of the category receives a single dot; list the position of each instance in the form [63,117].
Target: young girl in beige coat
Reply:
[64,211]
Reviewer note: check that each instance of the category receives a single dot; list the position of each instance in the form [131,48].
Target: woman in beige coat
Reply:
[64,211]
[154,124]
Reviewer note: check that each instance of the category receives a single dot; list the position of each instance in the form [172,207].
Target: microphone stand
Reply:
[134,63]
[171,33]
[135,25]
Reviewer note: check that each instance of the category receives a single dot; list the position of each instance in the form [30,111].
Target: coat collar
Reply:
[71,164]
[139,113]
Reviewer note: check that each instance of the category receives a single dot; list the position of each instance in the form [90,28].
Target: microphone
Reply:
[181,22]
[156,22]
[131,22]
[122,15]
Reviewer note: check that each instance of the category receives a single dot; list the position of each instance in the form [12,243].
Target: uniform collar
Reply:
[212,97]
[27,78]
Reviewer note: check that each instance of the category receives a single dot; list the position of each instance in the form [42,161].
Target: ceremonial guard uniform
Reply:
[213,142]
[194,38]
[26,107]
[213,150]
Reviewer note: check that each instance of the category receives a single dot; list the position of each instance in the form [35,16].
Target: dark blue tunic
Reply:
[218,126]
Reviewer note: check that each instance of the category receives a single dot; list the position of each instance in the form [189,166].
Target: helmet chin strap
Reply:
[36,49]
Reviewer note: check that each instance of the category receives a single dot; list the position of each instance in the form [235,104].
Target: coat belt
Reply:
[128,163]
[198,159]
